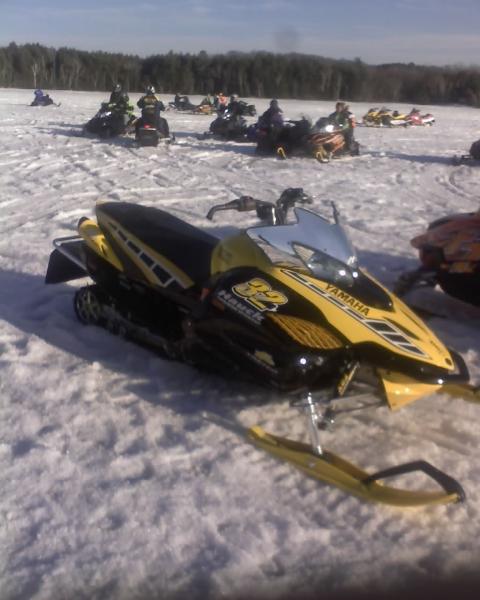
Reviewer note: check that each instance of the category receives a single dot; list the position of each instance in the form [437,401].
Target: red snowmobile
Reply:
[415,118]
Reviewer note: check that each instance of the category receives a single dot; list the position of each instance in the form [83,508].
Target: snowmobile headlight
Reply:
[325,267]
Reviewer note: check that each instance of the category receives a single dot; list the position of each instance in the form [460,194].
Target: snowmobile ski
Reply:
[336,471]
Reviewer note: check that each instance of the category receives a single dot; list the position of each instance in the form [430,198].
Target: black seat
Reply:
[188,247]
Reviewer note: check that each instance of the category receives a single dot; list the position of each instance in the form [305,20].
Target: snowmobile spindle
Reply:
[315,421]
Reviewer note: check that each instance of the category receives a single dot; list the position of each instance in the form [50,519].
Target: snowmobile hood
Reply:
[390,327]
[364,313]
[458,236]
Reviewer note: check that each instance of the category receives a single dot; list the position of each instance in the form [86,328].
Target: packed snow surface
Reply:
[128,476]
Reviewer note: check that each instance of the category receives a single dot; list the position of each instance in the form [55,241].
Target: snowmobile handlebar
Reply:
[242,204]
[266,211]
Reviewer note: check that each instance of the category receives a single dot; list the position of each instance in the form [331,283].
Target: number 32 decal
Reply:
[260,295]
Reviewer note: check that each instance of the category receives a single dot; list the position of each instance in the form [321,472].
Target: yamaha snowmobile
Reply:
[284,304]
[450,257]
[108,122]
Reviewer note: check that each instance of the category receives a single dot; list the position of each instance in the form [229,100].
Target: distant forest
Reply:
[255,74]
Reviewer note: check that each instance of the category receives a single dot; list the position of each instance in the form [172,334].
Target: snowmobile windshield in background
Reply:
[313,243]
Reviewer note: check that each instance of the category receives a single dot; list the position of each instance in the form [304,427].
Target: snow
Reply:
[126,476]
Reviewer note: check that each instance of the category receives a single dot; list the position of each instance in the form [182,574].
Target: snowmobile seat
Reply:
[188,247]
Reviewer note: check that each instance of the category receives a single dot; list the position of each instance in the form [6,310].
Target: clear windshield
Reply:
[312,242]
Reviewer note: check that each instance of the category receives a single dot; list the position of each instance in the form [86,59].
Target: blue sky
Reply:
[422,31]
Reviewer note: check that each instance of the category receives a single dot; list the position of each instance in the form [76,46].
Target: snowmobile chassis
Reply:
[312,459]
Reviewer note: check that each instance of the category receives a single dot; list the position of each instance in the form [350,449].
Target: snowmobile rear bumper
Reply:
[336,471]
[67,261]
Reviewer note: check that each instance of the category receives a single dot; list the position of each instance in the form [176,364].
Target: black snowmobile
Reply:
[299,138]
[182,103]
[284,304]
[42,100]
[242,108]
[109,123]
[150,129]
[227,127]
[247,110]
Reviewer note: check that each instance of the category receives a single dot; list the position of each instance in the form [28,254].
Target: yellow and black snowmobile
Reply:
[284,303]
[384,117]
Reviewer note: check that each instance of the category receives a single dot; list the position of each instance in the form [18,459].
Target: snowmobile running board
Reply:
[336,471]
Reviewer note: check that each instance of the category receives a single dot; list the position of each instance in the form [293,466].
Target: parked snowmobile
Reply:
[384,117]
[227,127]
[377,117]
[450,257]
[298,138]
[242,108]
[41,99]
[248,110]
[181,103]
[204,109]
[415,118]
[284,304]
[108,122]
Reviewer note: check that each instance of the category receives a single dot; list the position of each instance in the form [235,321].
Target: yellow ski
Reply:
[336,471]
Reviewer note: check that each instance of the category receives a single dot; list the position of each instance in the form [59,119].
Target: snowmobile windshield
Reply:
[313,243]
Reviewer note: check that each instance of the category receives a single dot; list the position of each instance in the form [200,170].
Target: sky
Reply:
[429,32]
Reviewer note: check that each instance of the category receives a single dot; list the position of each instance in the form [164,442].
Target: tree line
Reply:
[255,74]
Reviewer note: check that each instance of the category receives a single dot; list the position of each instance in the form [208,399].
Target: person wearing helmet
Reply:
[268,128]
[41,99]
[119,104]
[177,101]
[150,103]
[344,120]
[151,107]
[272,117]
[234,107]
[116,94]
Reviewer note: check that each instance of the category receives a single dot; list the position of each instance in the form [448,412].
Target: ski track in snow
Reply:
[127,476]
